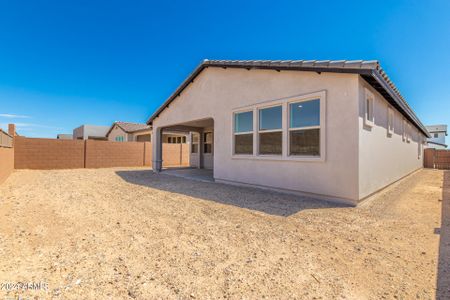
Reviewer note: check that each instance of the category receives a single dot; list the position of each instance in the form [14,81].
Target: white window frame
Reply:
[390,121]
[404,128]
[208,143]
[321,95]
[320,127]
[408,132]
[258,131]
[369,100]
[420,146]
[242,133]
[195,143]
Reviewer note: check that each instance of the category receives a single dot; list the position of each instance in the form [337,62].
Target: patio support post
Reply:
[157,150]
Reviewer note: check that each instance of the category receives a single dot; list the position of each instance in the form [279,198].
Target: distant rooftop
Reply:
[132,127]
[437,128]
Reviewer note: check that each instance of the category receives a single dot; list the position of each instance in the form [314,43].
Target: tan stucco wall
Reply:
[216,92]
[383,159]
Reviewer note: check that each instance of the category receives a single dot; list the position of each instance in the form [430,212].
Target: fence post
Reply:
[84,154]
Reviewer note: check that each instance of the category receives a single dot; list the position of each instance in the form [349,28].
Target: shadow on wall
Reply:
[268,202]
[443,276]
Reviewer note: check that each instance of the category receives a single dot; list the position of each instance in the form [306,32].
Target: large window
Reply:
[243,132]
[304,128]
[285,129]
[270,134]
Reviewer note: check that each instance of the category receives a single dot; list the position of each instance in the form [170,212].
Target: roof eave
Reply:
[406,110]
[208,63]
[370,69]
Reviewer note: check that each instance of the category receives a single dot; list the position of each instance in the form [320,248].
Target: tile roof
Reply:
[370,70]
[132,127]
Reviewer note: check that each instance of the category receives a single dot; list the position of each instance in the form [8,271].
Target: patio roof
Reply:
[370,70]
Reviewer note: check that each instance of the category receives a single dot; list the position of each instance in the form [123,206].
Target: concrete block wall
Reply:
[7,152]
[41,154]
[175,154]
[105,154]
[6,163]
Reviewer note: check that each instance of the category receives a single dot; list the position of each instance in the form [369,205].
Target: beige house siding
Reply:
[383,159]
[217,93]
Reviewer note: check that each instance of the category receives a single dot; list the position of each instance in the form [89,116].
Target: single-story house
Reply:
[90,132]
[129,132]
[138,132]
[438,134]
[338,130]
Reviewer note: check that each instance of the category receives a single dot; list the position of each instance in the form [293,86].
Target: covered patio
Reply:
[201,152]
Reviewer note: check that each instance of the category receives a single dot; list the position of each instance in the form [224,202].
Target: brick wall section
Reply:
[185,155]
[175,155]
[148,154]
[103,154]
[6,162]
[41,154]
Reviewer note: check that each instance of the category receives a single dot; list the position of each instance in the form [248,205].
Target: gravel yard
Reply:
[128,233]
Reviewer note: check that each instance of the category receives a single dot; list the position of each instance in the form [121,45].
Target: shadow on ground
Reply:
[443,277]
[268,202]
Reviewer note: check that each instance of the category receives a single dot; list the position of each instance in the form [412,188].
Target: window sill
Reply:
[368,123]
[279,158]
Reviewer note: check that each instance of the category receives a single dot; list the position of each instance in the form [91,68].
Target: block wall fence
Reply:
[37,153]
[7,152]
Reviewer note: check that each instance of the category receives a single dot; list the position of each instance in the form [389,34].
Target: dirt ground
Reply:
[127,233]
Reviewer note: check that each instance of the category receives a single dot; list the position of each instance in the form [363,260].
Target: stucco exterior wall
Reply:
[217,92]
[384,159]
[86,131]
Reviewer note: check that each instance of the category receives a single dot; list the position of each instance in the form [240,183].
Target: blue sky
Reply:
[63,64]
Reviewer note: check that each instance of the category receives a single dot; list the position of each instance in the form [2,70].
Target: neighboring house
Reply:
[63,136]
[338,130]
[90,132]
[137,132]
[438,134]
[129,132]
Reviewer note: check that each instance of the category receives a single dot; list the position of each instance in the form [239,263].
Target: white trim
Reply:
[321,127]
[369,99]
[390,121]
[284,102]
[404,127]
[234,133]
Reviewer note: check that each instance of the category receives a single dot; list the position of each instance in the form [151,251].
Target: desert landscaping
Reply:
[129,233]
